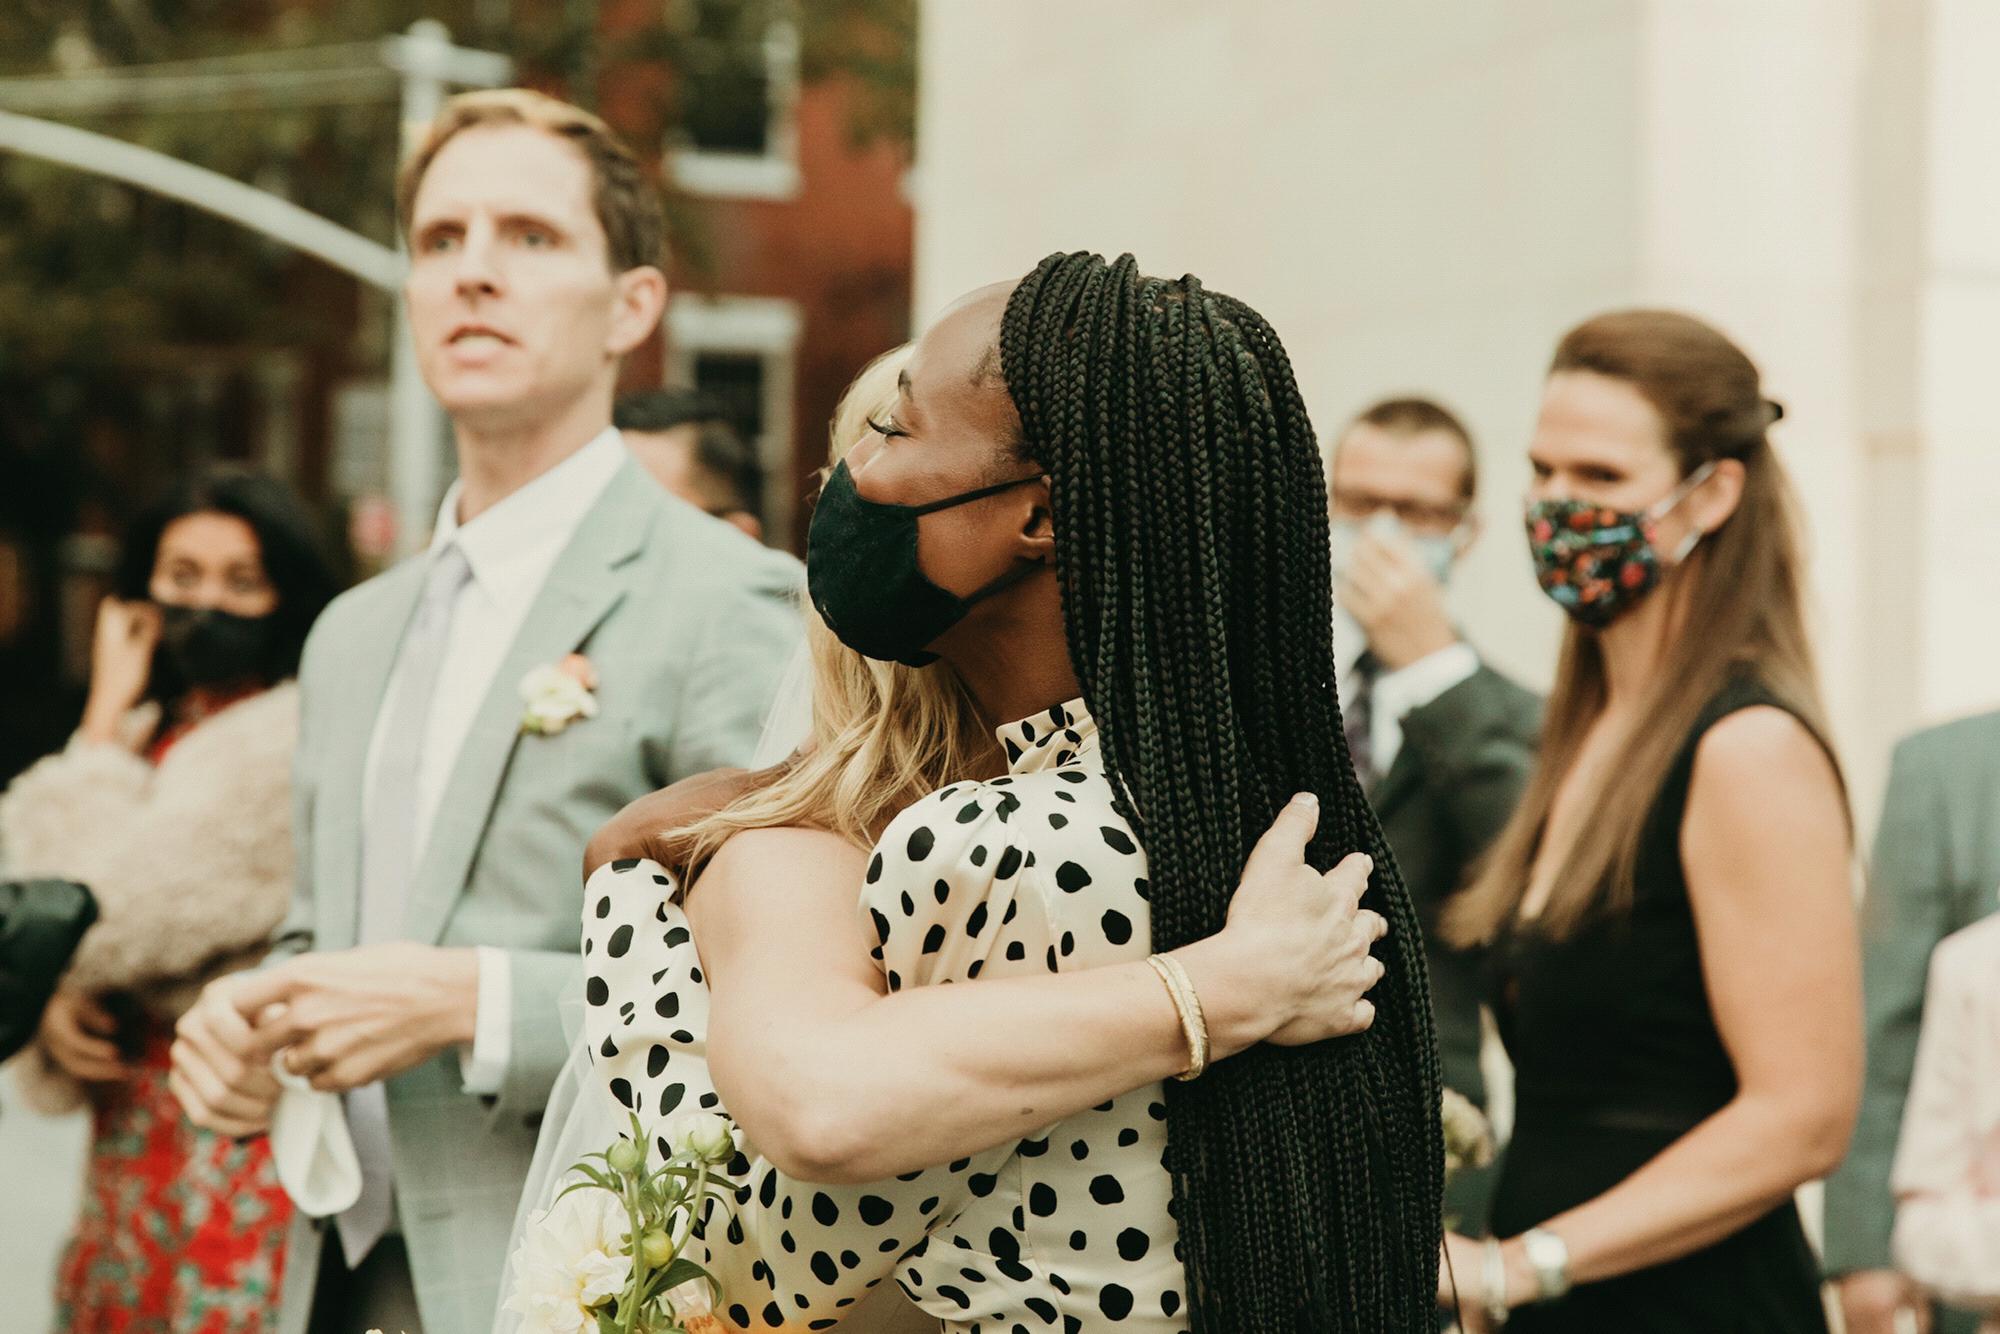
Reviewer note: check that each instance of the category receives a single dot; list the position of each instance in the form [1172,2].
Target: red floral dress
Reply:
[182,1230]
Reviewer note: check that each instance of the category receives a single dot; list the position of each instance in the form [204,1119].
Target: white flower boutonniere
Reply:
[558,694]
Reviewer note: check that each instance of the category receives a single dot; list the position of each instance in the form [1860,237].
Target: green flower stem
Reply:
[629,1193]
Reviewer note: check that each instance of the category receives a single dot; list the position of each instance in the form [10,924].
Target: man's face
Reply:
[514,308]
[1419,478]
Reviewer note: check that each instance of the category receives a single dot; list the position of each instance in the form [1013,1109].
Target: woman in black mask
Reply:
[173,804]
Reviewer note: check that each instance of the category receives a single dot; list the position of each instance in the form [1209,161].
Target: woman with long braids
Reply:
[949,1078]
[1098,499]
[1669,913]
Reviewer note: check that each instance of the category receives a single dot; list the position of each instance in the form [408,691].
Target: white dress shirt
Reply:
[510,548]
[1398,693]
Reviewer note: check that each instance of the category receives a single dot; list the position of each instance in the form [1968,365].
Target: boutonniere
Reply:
[557,694]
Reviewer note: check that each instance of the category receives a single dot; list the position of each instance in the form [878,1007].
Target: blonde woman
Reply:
[948,1079]
[1677,977]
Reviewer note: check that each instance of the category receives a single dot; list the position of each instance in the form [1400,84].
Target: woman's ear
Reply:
[1038,531]
[1710,504]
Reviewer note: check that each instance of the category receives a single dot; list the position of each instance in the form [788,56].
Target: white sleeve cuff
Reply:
[1399,692]
[483,1066]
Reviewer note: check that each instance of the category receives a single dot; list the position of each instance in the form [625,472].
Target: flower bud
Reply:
[656,1249]
[624,1157]
[703,1135]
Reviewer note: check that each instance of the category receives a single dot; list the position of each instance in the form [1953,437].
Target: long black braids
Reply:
[1191,547]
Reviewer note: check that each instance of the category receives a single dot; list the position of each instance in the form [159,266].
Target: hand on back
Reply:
[1303,933]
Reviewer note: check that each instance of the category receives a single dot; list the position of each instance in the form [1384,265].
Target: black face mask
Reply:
[862,572]
[209,647]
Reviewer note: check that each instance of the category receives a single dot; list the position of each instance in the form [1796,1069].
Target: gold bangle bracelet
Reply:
[1187,1005]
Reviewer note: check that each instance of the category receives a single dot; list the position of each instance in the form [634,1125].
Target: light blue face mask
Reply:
[1438,554]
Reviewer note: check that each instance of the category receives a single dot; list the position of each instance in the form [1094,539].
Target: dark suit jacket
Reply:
[1937,859]
[1460,772]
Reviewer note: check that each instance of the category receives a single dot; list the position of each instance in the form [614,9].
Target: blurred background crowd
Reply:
[1422,198]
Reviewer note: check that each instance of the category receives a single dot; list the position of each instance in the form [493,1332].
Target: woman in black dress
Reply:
[1675,969]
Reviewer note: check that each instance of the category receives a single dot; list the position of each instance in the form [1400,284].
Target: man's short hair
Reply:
[1411,415]
[730,471]
[627,204]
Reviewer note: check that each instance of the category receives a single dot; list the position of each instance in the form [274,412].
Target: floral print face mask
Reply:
[1597,562]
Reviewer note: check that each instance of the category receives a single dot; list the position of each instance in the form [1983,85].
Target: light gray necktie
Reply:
[389,855]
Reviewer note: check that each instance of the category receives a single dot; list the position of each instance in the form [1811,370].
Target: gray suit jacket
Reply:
[689,625]
[1936,866]
[1463,765]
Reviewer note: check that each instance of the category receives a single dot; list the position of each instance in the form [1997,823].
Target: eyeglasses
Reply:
[1416,515]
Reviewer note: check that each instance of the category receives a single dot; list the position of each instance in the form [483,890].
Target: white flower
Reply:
[690,1300]
[570,1263]
[557,694]
[703,1135]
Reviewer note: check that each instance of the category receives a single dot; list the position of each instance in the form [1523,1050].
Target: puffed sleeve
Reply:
[789,1252]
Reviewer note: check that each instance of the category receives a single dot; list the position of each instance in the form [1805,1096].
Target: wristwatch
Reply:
[1548,1256]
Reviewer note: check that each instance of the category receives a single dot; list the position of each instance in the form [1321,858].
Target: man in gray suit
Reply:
[573,638]
[1442,742]
[1937,860]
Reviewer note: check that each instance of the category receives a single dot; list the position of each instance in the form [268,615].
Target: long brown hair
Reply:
[1739,601]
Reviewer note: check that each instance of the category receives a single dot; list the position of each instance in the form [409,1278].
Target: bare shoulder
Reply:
[756,852]
[1754,749]
[1765,801]
[775,892]
[785,865]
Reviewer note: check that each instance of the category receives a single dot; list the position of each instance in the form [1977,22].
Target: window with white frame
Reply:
[739,81]
[743,350]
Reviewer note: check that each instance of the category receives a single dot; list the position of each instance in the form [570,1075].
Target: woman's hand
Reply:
[121,665]
[639,830]
[80,1037]
[1300,938]
[1464,1260]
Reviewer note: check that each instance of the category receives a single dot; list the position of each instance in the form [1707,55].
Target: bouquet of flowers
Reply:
[608,1255]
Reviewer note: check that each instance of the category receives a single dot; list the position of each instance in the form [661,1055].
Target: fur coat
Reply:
[191,862]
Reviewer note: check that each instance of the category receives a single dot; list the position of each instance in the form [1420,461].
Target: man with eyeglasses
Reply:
[1442,742]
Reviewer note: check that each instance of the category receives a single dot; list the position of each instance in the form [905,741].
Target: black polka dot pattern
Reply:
[1039,874]
[976,881]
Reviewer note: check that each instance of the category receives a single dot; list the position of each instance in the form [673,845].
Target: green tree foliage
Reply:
[97,278]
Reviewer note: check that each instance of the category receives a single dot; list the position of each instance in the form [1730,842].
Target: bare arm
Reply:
[1767,852]
[834,1079]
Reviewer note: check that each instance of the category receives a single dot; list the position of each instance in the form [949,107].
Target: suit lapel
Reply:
[1396,786]
[357,693]
[586,582]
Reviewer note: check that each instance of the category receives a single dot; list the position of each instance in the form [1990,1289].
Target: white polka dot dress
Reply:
[792,1255]
[1030,873]
[1069,1230]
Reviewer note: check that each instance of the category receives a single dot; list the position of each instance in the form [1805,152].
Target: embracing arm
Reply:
[835,1079]
[1766,849]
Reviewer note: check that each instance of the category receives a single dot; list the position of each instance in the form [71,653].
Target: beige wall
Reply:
[1424,195]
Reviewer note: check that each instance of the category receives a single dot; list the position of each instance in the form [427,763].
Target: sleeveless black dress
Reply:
[1616,1056]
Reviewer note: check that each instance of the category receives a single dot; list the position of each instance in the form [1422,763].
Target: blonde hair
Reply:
[883,734]
[1741,598]
[627,204]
